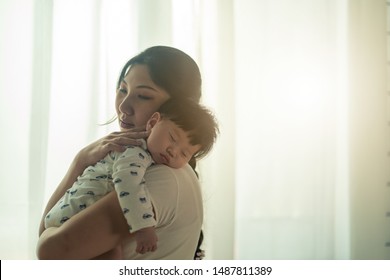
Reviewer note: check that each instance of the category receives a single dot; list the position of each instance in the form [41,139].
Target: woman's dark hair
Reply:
[171,69]
[198,253]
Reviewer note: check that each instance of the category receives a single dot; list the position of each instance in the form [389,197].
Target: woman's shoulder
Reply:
[158,176]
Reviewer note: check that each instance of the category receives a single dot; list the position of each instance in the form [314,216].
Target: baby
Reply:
[180,131]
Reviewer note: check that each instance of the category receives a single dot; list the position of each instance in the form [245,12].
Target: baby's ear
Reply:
[155,118]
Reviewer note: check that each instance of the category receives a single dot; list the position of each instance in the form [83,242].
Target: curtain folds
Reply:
[300,170]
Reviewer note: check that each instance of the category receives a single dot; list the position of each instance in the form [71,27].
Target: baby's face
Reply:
[170,145]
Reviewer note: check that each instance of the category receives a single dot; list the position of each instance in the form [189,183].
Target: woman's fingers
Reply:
[113,142]
[119,141]
[112,147]
[200,255]
[127,137]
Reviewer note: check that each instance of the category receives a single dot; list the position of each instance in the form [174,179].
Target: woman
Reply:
[146,82]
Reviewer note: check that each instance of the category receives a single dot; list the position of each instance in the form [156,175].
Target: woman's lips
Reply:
[125,125]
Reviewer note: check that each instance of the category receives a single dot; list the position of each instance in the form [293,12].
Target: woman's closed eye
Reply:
[142,94]
[144,97]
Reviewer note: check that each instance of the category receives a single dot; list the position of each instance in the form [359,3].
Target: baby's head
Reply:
[181,130]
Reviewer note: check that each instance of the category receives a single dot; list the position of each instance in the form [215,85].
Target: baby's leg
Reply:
[75,200]
[89,188]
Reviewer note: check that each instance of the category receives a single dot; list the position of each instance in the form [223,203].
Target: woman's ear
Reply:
[155,118]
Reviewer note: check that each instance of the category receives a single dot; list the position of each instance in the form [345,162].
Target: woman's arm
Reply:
[92,232]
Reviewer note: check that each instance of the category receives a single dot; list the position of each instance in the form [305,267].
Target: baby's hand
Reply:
[146,240]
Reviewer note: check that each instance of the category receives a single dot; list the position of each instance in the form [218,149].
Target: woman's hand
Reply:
[113,142]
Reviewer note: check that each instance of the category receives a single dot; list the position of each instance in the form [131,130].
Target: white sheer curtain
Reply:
[300,170]
[286,177]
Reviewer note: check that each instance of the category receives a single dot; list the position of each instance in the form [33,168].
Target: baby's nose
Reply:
[171,152]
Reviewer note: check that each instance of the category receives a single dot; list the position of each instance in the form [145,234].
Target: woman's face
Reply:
[137,98]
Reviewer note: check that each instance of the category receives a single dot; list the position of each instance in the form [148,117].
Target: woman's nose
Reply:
[125,107]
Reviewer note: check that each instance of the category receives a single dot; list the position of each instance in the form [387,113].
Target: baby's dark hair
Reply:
[195,119]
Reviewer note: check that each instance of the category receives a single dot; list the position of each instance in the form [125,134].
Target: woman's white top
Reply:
[177,201]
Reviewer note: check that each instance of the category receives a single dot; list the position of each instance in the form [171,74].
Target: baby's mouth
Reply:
[165,159]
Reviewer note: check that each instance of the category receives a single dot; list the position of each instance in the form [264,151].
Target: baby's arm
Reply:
[128,177]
